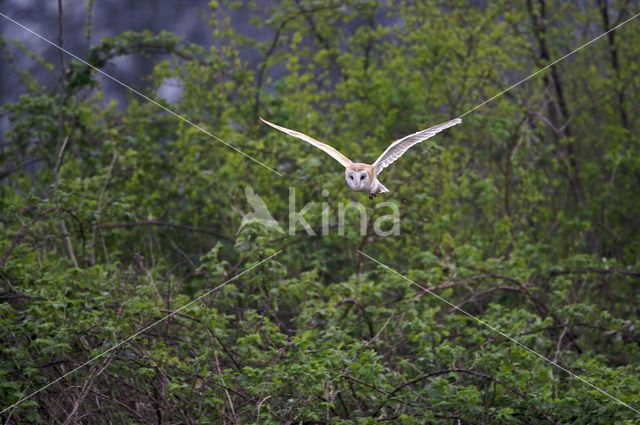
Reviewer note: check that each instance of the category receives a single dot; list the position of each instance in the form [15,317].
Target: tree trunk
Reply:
[558,109]
[615,62]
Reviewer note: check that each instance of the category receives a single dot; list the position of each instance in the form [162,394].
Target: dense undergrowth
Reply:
[525,216]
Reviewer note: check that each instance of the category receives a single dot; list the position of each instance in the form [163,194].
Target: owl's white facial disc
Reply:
[357,179]
[350,176]
[363,179]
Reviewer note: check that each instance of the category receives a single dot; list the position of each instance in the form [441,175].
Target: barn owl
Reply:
[364,177]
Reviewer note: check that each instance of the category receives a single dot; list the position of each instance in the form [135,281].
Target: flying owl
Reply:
[364,177]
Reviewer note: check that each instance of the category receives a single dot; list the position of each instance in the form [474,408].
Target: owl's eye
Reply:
[351,177]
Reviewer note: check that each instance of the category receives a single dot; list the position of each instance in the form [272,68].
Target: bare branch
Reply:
[161,223]
[21,234]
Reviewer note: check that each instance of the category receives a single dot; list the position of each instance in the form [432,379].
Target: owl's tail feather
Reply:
[381,188]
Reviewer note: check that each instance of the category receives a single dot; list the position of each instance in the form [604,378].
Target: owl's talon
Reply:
[371,196]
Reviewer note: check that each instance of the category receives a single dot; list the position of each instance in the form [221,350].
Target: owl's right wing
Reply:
[323,146]
[400,146]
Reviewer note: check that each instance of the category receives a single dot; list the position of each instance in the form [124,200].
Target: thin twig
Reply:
[85,390]
[59,157]
[99,207]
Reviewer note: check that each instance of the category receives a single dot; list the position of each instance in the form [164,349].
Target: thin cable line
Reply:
[501,333]
[550,65]
[140,94]
[137,333]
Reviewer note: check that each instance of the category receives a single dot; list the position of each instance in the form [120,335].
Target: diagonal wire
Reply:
[146,328]
[550,65]
[175,114]
[493,328]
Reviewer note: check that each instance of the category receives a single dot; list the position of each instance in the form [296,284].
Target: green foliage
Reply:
[525,216]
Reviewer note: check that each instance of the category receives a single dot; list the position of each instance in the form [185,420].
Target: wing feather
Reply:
[400,146]
[335,154]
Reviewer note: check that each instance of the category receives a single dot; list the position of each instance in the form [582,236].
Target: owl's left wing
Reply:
[335,154]
[399,147]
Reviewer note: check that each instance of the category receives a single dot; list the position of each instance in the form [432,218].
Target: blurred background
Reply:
[186,19]
[115,213]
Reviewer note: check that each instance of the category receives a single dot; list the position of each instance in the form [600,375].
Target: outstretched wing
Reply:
[399,147]
[328,149]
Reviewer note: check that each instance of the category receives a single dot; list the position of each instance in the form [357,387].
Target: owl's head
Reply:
[358,176]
